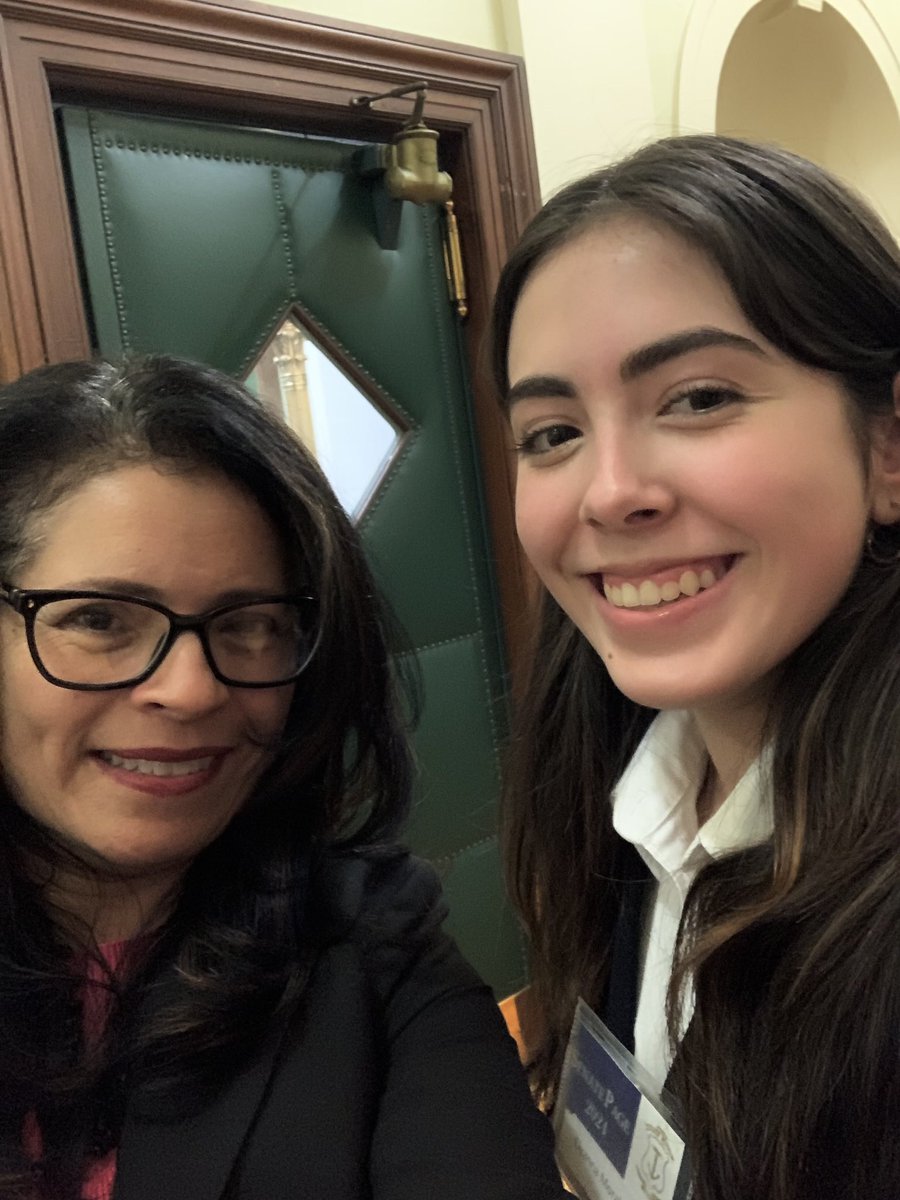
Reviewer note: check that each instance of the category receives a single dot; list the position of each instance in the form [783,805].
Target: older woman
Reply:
[219,976]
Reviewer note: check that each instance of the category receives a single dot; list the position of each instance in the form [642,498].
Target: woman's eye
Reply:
[550,437]
[702,399]
[248,627]
[95,619]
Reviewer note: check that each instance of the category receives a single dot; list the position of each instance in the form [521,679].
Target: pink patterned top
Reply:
[101,1174]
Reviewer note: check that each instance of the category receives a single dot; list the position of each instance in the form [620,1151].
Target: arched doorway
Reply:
[819,78]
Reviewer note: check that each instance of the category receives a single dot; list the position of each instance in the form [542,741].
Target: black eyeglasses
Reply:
[96,641]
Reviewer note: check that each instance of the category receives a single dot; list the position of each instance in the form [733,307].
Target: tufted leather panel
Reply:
[197,239]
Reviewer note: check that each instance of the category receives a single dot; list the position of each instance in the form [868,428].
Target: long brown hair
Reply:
[789,1075]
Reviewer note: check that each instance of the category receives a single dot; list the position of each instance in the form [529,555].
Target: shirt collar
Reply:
[655,801]
[745,818]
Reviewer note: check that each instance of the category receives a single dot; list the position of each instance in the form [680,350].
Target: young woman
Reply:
[219,975]
[700,348]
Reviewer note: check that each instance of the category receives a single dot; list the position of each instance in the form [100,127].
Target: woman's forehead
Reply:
[618,286]
[184,530]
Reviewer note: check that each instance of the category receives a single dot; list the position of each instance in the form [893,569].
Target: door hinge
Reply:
[453,263]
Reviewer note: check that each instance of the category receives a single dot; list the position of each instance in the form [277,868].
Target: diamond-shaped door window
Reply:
[352,439]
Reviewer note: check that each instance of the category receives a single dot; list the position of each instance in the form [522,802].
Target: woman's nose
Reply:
[183,681]
[624,485]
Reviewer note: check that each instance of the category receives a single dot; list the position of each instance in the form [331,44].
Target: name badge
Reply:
[616,1138]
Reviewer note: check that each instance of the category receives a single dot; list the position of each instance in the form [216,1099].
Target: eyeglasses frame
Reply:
[28,602]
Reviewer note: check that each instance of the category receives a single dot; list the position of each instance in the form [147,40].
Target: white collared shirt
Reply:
[655,808]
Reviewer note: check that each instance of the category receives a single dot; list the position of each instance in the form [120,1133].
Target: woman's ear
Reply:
[885,465]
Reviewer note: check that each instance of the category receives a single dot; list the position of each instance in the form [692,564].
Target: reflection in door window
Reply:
[352,440]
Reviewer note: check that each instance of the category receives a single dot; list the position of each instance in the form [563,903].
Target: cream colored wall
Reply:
[590,83]
[469,22]
[605,76]
[665,22]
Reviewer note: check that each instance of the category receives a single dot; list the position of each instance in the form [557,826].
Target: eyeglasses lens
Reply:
[259,643]
[109,641]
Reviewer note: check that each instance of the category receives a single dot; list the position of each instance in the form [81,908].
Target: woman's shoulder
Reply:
[387,907]
[379,893]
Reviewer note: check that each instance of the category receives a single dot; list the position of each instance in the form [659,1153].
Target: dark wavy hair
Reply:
[236,950]
[789,1074]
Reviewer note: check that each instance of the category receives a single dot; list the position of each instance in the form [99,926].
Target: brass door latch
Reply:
[407,166]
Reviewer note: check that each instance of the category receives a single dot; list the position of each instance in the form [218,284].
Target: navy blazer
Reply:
[396,1080]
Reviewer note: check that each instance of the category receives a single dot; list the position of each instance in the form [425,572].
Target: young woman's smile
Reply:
[143,778]
[693,499]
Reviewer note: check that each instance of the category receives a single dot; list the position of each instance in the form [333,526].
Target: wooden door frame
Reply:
[236,59]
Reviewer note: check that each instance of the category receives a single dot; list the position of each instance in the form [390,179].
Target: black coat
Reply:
[395,1081]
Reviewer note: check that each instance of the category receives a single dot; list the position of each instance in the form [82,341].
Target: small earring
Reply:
[878,555]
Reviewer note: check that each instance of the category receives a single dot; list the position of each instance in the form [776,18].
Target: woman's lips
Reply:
[163,771]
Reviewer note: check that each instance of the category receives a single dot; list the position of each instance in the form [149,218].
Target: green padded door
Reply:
[197,240]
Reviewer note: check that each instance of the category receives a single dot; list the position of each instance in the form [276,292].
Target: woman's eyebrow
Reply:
[638,362]
[144,591]
[114,585]
[653,355]
[541,386]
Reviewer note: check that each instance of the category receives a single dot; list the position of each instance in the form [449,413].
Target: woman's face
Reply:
[693,499]
[194,746]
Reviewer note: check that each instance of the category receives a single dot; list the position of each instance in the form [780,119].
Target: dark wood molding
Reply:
[235,59]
